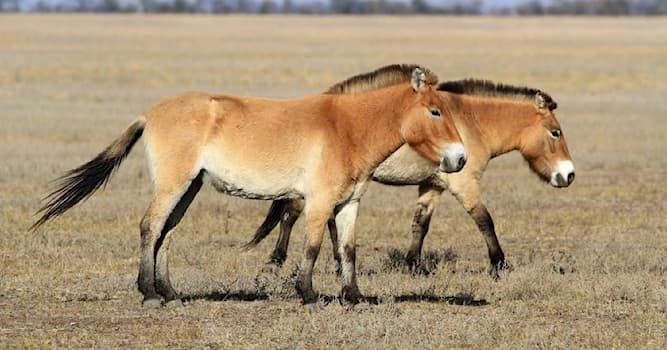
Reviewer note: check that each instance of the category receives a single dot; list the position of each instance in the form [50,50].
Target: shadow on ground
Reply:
[462,299]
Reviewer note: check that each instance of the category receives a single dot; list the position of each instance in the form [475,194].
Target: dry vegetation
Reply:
[590,269]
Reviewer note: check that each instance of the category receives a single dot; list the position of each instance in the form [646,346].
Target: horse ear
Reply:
[418,80]
[540,103]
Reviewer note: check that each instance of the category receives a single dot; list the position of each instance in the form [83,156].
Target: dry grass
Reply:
[590,269]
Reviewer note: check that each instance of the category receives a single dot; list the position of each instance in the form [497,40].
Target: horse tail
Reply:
[78,184]
[272,219]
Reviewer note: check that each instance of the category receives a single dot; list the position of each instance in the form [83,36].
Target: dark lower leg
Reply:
[345,220]
[162,281]
[146,278]
[350,291]
[485,224]
[333,234]
[420,225]
[290,214]
[317,213]
[428,195]
[304,283]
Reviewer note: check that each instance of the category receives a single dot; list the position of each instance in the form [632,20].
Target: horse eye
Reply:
[555,133]
[435,112]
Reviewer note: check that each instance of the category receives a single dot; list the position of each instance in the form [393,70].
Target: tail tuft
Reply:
[80,183]
[272,219]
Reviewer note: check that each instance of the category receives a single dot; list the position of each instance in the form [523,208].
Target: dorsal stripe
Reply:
[380,78]
[486,88]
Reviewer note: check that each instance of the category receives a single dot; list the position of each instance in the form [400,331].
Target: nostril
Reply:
[570,178]
[461,162]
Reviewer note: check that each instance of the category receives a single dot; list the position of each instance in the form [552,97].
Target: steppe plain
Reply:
[589,262]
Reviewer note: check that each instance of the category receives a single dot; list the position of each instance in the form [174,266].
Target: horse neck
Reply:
[500,122]
[372,121]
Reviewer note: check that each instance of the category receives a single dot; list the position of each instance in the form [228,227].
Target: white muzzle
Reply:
[454,157]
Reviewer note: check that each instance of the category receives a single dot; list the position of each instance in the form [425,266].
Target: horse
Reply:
[493,119]
[320,149]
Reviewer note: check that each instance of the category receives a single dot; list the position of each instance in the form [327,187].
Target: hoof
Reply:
[350,295]
[176,303]
[152,303]
[412,261]
[277,259]
[500,269]
[313,307]
[505,266]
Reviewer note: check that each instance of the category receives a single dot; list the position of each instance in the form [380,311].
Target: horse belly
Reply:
[259,159]
[253,191]
[253,179]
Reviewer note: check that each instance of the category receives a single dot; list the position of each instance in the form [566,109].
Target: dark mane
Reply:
[488,88]
[380,78]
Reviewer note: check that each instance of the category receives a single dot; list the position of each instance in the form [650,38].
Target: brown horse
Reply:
[321,149]
[493,119]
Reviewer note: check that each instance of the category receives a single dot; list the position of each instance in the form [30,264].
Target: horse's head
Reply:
[543,145]
[429,128]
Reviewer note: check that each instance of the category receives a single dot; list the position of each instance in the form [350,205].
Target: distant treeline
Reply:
[454,7]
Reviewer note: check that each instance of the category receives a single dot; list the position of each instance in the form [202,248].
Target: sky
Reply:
[26,4]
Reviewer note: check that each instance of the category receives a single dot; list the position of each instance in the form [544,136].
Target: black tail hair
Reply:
[78,184]
[272,219]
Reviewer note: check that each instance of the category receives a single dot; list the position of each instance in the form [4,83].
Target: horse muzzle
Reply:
[454,158]
[564,174]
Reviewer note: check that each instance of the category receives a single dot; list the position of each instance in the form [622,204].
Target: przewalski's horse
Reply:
[321,149]
[493,119]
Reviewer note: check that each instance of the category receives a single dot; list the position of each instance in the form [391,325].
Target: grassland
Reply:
[590,262]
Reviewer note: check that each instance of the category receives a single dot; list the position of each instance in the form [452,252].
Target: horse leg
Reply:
[333,234]
[162,282]
[428,195]
[291,212]
[318,211]
[467,192]
[484,222]
[167,197]
[346,219]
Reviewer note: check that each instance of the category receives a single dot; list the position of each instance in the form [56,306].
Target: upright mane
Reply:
[380,78]
[488,88]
